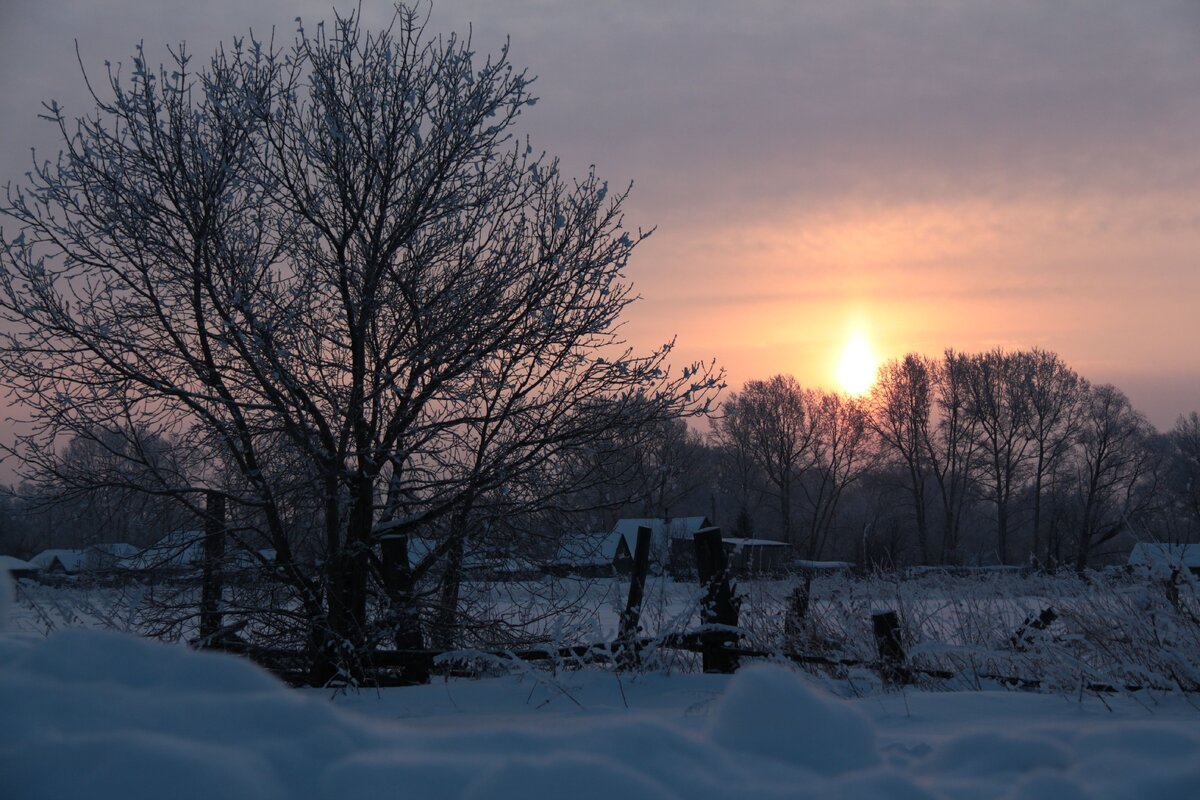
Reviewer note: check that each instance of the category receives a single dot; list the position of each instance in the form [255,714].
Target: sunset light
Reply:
[857,366]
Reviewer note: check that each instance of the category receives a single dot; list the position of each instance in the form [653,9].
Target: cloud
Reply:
[970,172]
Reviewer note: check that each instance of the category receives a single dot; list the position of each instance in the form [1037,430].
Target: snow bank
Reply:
[96,714]
[773,713]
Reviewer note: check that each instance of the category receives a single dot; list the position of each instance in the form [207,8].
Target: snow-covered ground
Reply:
[102,714]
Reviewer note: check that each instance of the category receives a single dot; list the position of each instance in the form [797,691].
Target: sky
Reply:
[918,175]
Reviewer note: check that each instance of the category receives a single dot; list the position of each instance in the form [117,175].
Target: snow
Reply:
[738,543]
[1156,554]
[91,713]
[14,564]
[833,566]
[835,737]
[71,560]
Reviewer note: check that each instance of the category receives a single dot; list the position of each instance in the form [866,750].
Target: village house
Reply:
[592,555]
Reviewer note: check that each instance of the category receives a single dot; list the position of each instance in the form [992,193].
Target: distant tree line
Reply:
[988,458]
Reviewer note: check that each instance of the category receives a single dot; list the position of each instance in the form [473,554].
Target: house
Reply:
[481,561]
[17,567]
[175,551]
[756,556]
[671,546]
[1150,555]
[592,555]
[60,561]
[109,556]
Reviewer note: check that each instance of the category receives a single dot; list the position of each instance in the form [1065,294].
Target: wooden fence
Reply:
[716,640]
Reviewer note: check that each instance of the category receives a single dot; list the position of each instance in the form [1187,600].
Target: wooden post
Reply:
[719,607]
[214,555]
[890,646]
[797,613]
[406,626]
[637,589]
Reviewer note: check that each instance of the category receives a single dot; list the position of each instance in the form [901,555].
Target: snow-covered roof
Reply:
[115,549]
[588,549]
[739,543]
[70,560]
[1166,555]
[178,549]
[14,564]
[662,530]
[476,555]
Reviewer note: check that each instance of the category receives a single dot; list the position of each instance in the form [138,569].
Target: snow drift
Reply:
[107,715]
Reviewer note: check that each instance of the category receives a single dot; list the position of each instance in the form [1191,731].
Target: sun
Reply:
[858,365]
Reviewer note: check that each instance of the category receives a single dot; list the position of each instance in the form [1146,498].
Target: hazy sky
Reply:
[936,174]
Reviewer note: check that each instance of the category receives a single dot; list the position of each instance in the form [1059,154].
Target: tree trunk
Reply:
[445,630]
[214,555]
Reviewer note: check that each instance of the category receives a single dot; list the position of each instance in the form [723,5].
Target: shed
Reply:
[756,556]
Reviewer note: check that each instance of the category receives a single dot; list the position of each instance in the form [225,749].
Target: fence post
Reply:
[214,555]
[797,613]
[719,606]
[890,646]
[637,589]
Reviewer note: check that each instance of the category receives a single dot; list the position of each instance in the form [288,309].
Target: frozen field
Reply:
[1112,630]
[91,714]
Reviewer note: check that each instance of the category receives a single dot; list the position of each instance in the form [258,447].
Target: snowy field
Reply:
[104,714]
[1114,630]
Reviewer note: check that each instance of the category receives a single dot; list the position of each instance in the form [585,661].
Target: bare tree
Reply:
[1053,393]
[340,246]
[952,447]
[1185,441]
[842,450]
[901,407]
[999,408]
[919,412]
[772,420]
[1117,470]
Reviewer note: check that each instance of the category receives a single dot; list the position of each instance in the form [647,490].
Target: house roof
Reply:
[588,549]
[178,549]
[662,531]
[115,549]
[14,564]
[1159,554]
[71,560]
[739,543]
[476,554]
